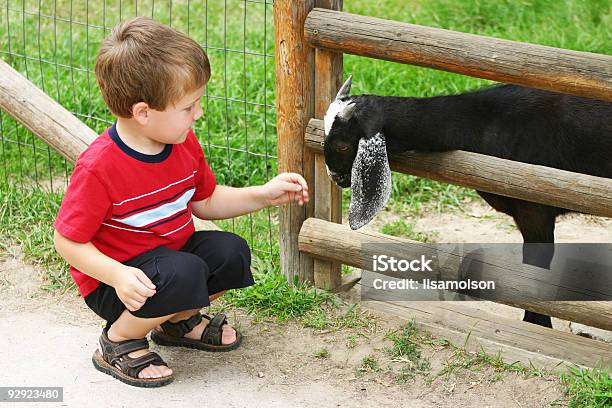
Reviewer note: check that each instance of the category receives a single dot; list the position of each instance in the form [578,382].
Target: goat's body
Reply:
[511,122]
[508,121]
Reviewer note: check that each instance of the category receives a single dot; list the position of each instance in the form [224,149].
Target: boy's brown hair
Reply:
[145,61]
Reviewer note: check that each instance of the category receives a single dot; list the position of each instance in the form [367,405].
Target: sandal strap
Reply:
[116,354]
[111,349]
[133,366]
[130,347]
[213,332]
[179,329]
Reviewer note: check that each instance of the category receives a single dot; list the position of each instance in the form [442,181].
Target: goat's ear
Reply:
[346,88]
[370,181]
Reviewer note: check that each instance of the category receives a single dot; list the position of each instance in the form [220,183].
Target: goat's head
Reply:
[356,156]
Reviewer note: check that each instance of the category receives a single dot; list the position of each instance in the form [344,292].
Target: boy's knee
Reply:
[235,248]
[192,266]
[186,270]
[241,246]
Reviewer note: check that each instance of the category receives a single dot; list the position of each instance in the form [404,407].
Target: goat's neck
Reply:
[434,124]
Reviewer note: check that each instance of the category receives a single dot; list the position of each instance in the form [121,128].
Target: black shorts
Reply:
[210,262]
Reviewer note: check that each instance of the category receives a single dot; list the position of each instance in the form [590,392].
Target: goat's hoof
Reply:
[537,318]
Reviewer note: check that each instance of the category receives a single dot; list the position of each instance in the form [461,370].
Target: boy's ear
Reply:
[140,112]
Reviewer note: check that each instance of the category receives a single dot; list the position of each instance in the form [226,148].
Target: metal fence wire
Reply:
[54,44]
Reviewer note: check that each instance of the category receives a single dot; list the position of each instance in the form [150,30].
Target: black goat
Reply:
[508,121]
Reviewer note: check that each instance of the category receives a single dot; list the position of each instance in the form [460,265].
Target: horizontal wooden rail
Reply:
[537,66]
[336,242]
[545,185]
[477,329]
[46,118]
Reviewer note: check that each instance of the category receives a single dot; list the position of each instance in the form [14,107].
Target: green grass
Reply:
[368,363]
[588,388]
[335,318]
[406,349]
[272,296]
[476,361]
[400,228]
[60,58]
[239,108]
[26,220]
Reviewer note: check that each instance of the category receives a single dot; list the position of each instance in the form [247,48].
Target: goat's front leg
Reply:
[537,225]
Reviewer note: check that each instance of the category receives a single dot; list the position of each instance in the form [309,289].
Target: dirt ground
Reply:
[47,340]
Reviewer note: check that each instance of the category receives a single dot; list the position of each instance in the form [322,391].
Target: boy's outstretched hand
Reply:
[285,188]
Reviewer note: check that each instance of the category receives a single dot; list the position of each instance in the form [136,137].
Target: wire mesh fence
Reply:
[54,44]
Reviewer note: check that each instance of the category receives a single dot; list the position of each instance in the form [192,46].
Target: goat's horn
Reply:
[346,88]
[348,111]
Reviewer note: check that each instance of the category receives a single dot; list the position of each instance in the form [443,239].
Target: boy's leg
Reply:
[180,280]
[228,258]
[185,276]
[216,295]
[228,336]
[130,327]
[180,277]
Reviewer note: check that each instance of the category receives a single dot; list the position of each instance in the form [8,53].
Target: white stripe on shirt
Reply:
[178,229]
[127,229]
[156,191]
[156,214]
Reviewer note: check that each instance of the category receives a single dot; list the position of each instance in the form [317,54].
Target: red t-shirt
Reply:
[127,203]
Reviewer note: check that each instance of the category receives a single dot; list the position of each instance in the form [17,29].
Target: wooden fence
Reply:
[311,37]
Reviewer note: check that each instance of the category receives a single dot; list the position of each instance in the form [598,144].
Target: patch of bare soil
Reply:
[47,340]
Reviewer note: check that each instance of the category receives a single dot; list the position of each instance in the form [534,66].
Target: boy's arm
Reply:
[228,202]
[132,285]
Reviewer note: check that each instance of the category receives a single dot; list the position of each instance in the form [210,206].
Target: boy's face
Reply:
[171,125]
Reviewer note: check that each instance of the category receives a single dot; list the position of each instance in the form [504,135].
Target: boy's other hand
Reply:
[133,288]
[285,188]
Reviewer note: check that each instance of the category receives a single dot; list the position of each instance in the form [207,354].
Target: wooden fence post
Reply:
[328,200]
[294,108]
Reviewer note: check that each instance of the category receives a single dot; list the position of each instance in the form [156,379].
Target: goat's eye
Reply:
[342,148]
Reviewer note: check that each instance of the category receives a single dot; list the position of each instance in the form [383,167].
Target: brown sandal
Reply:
[211,336]
[114,360]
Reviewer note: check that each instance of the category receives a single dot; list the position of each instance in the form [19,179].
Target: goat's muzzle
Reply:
[342,180]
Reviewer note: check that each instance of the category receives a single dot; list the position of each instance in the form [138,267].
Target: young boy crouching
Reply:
[125,224]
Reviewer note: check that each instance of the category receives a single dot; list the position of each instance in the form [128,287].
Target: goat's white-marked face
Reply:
[356,159]
[341,142]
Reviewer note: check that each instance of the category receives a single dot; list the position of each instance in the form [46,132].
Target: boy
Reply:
[125,224]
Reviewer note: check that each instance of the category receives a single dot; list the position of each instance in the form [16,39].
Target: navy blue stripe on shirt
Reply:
[165,221]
